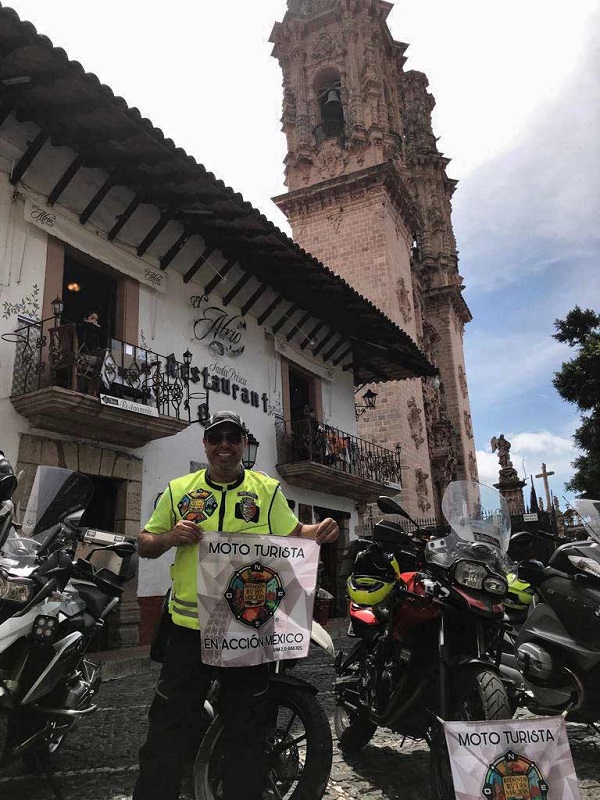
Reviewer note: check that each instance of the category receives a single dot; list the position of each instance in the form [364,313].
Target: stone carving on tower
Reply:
[368,194]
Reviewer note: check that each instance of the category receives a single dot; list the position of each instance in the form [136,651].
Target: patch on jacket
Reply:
[247,510]
[197,505]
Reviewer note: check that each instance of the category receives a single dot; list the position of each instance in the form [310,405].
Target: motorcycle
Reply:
[299,743]
[53,603]
[428,639]
[555,664]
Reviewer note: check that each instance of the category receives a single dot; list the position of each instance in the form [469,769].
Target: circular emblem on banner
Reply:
[514,777]
[254,594]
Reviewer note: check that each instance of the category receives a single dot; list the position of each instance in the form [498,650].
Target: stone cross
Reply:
[545,475]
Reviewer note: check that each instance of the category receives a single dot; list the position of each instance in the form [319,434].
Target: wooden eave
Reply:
[115,138]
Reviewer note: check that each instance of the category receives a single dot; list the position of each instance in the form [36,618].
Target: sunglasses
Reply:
[233,437]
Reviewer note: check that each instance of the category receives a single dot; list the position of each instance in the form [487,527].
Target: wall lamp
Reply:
[57,306]
[370,399]
[249,457]
[187,374]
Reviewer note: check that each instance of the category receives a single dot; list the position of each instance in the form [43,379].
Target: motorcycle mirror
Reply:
[122,549]
[531,571]
[74,520]
[390,506]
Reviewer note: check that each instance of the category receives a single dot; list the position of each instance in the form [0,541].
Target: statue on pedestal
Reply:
[502,445]
[510,486]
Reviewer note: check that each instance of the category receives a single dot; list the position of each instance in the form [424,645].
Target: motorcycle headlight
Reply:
[586,565]
[17,590]
[470,574]
[495,585]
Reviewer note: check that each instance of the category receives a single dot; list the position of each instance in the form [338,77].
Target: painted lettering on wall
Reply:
[226,371]
[42,216]
[154,277]
[222,332]
[223,385]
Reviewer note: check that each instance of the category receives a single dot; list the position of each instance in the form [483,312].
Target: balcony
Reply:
[317,456]
[76,379]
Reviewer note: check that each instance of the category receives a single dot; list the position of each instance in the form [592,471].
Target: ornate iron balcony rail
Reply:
[311,440]
[84,358]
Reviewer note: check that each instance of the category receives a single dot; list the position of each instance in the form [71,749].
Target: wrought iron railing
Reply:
[311,440]
[433,524]
[332,129]
[84,358]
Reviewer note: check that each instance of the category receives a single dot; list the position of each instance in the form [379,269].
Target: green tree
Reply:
[578,382]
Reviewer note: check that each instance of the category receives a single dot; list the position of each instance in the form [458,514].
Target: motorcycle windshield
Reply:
[480,521]
[589,511]
[48,497]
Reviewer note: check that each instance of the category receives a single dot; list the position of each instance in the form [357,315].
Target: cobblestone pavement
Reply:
[99,760]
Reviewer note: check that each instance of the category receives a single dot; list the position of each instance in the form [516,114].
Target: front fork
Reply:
[480,660]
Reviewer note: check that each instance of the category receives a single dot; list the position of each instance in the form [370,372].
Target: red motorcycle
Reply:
[427,614]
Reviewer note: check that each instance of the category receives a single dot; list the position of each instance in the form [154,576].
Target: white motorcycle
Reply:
[52,605]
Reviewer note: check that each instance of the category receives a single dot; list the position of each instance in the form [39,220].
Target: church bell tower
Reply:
[368,194]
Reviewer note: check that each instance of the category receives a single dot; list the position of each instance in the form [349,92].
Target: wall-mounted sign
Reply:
[223,333]
[128,405]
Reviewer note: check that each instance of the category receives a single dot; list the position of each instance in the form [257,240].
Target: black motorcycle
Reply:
[299,747]
[428,639]
[555,664]
[53,602]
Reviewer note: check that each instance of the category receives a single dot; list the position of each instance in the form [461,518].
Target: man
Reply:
[228,498]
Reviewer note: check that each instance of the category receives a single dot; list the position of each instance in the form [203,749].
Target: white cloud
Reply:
[529,450]
[487,466]
[485,96]
[505,366]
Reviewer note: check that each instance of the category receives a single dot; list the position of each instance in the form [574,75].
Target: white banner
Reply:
[517,759]
[255,597]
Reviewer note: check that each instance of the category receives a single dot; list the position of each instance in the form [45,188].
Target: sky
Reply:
[517,111]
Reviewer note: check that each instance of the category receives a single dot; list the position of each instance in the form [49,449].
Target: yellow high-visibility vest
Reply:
[253,504]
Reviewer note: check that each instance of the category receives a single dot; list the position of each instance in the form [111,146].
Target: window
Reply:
[89,286]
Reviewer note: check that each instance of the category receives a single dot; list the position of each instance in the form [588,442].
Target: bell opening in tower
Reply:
[331,108]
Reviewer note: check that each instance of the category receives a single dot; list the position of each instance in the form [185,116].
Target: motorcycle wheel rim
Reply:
[286,755]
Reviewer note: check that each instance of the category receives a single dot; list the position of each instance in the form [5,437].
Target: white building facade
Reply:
[204,305]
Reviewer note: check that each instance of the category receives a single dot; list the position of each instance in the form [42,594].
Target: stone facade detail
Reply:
[415,422]
[422,490]
[404,301]
[462,381]
[126,471]
[376,158]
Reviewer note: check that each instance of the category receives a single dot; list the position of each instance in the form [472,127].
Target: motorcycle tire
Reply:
[296,775]
[353,732]
[479,695]
[3,734]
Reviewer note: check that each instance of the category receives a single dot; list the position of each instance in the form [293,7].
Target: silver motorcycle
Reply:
[55,598]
